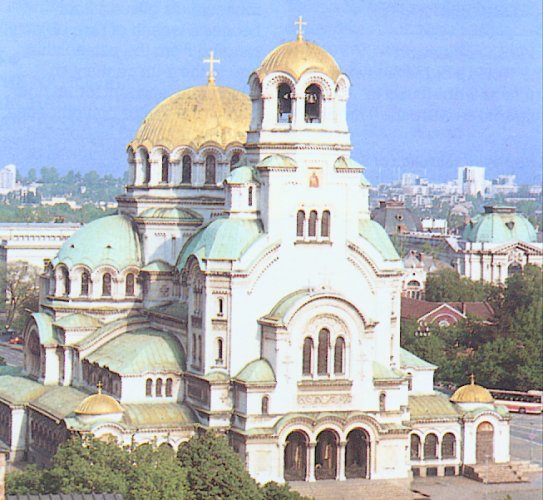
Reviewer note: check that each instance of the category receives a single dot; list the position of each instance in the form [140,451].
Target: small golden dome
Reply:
[472,393]
[298,57]
[195,116]
[98,404]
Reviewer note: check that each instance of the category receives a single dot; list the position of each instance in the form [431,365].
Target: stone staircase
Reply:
[511,472]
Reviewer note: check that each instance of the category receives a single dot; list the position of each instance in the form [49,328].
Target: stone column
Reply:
[298,118]
[311,462]
[341,462]
[68,365]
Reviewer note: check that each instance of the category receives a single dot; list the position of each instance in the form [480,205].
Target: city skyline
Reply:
[438,85]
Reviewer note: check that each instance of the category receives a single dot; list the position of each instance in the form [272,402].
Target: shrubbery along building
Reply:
[243,287]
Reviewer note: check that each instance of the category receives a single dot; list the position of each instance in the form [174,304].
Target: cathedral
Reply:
[243,287]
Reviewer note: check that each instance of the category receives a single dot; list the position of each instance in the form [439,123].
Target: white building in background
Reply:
[243,287]
[471,181]
[8,179]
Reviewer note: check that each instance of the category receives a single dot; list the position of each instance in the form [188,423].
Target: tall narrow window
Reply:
[146,168]
[169,388]
[312,229]
[85,284]
[307,356]
[265,405]
[200,350]
[158,388]
[448,446]
[325,224]
[250,196]
[149,387]
[284,103]
[430,446]
[219,350]
[322,355]
[186,171]
[194,348]
[300,219]
[415,447]
[106,285]
[129,285]
[409,381]
[234,160]
[165,168]
[211,165]
[339,354]
[221,307]
[382,401]
[313,103]
[66,282]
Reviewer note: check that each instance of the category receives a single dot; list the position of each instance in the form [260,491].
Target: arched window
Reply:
[415,447]
[250,196]
[313,102]
[448,446]
[158,388]
[322,354]
[106,285]
[339,351]
[234,160]
[146,168]
[325,224]
[194,348]
[312,229]
[129,285]
[409,381]
[149,387]
[221,307]
[85,284]
[66,282]
[186,171]
[430,447]
[169,387]
[211,165]
[219,350]
[265,405]
[165,168]
[284,103]
[200,351]
[307,356]
[382,401]
[300,219]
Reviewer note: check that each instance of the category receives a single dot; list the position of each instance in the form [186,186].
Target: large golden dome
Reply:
[472,393]
[98,404]
[298,57]
[195,116]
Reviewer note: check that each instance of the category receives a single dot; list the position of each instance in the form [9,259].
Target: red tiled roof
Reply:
[415,309]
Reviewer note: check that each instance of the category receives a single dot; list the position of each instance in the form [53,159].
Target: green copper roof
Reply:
[142,351]
[110,240]
[499,225]
[59,401]
[432,406]
[178,310]
[169,213]
[19,390]
[242,175]
[257,371]
[382,372]
[277,161]
[78,320]
[374,233]
[408,359]
[47,334]
[343,162]
[158,266]
[217,376]
[158,415]
[221,239]
[282,307]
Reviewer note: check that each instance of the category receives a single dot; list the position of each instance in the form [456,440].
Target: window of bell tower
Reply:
[284,103]
[313,104]
[210,169]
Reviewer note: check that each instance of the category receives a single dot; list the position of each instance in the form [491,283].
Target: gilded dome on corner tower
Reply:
[195,116]
[472,393]
[297,58]
[98,404]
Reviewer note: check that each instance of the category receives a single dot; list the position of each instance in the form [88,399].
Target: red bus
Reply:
[519,402]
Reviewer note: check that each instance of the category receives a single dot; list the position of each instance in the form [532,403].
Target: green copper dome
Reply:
[257,371]
[243,175]
[499,225]
[111,240]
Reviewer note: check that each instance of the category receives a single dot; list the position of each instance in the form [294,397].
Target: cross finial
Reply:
[99,386]
[300,24]
[211,73]
[472,379]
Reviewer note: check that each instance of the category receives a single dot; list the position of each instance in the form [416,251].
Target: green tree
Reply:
[447,285]
[275,491]
[214,470]
[20,280]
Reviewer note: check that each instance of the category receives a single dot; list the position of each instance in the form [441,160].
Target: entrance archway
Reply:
[357,454]
[514,268]
[326,455]
[295,457]
[485,443]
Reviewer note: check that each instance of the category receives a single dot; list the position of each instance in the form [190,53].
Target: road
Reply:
[527,438]
[12,354]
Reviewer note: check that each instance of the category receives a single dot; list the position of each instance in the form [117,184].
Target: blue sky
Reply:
[435,83]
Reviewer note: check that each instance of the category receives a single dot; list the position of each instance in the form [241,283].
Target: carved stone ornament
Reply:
[323,399]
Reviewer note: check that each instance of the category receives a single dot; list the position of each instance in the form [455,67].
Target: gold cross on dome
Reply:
[211,73]
[300,24]
[99,386]
[472,379]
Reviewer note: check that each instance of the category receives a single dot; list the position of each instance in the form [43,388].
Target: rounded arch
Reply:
[448,445]
[342,88]
[415,446]
[326,454]
[357,454]
[484,444]
[431,443]
[295,456]
[271,83]
[325,84]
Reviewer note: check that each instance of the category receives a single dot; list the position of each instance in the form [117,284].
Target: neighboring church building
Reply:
[266,306]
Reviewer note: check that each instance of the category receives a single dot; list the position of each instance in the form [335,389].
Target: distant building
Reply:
[471,181]
[417,265]
[395,217]
[8,179]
